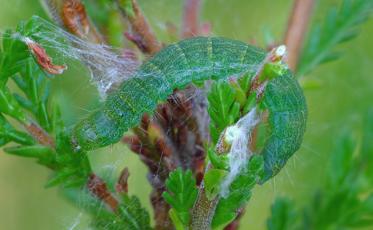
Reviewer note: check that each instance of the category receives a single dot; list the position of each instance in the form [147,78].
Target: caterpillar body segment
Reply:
[283,98]
[191,60]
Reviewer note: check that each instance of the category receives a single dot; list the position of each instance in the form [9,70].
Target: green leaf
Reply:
[212,180]
[272,70]
[240,193]
[10,106]
[134,216]
[8,133]
[283,215]
[341,162]
[176,220]
[60,177]
[127,7]
[44,154]
[181,193]
[367,145]
[310,84]
[218,161]
[340,25]
[13,53]
[223,108]
[102,218]
[35,85]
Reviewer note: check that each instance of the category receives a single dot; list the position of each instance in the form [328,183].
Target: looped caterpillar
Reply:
[191,60]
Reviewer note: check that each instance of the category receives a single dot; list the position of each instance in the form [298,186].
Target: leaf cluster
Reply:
[130,215]
[228,101]
[34,125]
[346,200]
[30,105]
[341,24]
[181,194]
[239,193]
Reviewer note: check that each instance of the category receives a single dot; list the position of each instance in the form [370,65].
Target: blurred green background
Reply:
[345,96]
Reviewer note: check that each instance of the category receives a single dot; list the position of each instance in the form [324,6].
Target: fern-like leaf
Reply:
[240,193]
[283,215]
[133,215]
[340,25]
[223,108]
[181,195]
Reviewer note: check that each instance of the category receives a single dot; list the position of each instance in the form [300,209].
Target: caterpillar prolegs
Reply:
[194,60]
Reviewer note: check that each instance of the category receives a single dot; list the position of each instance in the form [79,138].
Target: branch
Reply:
[122,183]
[297,29]
[99,189]
[40,135]
[76,20]
[143,36]
[72,15]
[190,27]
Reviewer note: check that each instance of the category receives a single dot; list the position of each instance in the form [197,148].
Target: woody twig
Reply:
[190,26]
[297,28]
[142,34]
[72,15]
[99,189]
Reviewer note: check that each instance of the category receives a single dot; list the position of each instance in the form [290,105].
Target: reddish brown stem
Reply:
[99,189]
[297,28]
[122,184]
[191,13]
[143,36]
[72,15]
[40,135]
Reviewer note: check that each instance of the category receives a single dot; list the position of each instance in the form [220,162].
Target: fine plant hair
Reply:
[210,117]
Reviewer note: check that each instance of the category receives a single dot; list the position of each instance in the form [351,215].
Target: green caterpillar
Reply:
[193,60]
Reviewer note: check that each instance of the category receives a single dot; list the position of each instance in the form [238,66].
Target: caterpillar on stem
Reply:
[195,60]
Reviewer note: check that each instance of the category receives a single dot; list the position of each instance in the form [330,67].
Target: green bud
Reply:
[272,70]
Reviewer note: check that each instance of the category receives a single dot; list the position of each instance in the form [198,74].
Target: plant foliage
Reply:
[181,194]
[240,192]
[345,201]
[228,101]
[341,25]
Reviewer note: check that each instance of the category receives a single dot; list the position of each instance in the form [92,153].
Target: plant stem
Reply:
[99,189]
[297,28]
[143,37]
[203,211]
[40,135]
[72,15]
[76,20]
[191,13]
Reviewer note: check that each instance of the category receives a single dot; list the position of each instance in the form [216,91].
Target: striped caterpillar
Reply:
[192,60]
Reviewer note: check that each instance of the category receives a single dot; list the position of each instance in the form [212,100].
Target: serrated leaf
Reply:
[341,160]
[10,106]
[212,180]
[239,194]
[8,133]
[127,7]
[341,25]
[60,177]
[283,215]
[181,193]
[34,151]
[176,220]
[223,108]
[133,215]
[218,161]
